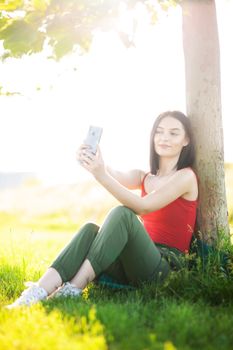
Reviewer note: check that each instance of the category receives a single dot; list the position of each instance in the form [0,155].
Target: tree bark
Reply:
[203,101]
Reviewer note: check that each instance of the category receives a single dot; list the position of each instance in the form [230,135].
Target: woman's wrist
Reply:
[100,176]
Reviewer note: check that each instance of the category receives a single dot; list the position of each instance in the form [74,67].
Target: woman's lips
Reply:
[164,146]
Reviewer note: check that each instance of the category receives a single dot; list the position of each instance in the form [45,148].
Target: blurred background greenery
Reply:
[38,208]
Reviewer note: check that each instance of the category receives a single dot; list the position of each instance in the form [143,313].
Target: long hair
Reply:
[187,155]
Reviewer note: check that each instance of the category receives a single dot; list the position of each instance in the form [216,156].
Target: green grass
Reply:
[192,310]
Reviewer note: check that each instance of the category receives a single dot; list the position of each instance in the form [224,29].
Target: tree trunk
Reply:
[203,101]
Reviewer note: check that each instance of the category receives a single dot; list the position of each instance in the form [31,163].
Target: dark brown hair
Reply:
[187,155]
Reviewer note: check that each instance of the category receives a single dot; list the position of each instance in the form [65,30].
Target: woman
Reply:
[142,240]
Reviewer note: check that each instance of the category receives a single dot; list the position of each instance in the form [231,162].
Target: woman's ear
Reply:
[186,141]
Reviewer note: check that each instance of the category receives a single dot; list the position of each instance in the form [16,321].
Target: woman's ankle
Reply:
[50,281]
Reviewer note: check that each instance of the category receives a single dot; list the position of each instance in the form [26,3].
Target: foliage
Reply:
[27,27]
[165,317]
[79,332]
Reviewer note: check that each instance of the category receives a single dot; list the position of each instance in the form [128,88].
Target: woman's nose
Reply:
[164,136]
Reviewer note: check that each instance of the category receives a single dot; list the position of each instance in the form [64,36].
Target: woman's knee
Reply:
[121,210]
[90,227]
[87,230]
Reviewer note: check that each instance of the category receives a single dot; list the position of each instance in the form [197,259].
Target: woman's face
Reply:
[170,137]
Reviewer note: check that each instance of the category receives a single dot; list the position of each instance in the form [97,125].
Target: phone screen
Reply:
[93,137]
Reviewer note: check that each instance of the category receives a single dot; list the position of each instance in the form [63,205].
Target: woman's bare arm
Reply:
[178,185]
[131,179]
[182,182]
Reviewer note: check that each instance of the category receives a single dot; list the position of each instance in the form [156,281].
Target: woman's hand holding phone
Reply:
[89,155]
[92,162]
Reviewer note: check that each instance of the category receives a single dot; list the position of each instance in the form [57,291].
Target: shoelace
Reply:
[68,290]
[29,291]
[28,296]
[32,293]
[29,284]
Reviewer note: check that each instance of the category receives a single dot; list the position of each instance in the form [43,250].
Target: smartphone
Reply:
[93,137]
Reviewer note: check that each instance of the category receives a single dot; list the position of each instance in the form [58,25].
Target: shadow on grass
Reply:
[150,319]
[183,313]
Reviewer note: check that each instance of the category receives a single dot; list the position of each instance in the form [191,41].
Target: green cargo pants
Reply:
[121,248]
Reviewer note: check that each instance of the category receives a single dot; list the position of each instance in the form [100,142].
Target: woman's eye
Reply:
[174,134]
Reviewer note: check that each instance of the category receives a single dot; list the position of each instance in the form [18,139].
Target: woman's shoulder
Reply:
[188,173]
[189,178]
[140,174]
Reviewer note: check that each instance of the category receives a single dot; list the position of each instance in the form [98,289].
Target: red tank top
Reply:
[173,224]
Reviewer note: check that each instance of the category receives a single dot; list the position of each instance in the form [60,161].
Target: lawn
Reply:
[192,310]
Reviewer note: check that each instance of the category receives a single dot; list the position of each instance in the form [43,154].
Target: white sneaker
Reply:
[29,296]
[67,290]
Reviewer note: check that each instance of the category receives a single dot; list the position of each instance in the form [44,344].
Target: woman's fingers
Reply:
[85,156]
[82,152]
[91,162]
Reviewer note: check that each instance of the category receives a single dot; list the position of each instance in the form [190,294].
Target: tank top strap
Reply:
[143,181]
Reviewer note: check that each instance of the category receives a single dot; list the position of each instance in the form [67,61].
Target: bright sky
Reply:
[120,89]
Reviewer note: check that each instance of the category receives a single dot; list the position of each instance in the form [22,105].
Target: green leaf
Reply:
[22,38]
[10,5]
[34,17]
[40,5]
[63,47]
[3,22]
[166,4]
